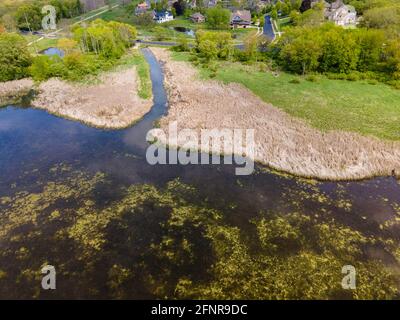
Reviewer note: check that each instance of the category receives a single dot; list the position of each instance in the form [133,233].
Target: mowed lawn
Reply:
[327,104]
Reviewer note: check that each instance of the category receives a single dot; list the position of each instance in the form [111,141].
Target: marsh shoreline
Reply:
[282,143]
[113,103]
[11,92]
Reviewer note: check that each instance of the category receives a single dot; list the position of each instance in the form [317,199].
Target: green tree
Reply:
[340,51]
[382,17]
[372,43]
[9,22]
[301,50]
[14,57]
[208,49]
[144,19]
[251,43]
[109,39]
[45,67]
[222,41]
[160,33]
[28,17]
[262,21]
[274,14]
[392,57]
[183,44]
[67,45]
[218,18]
[312,17]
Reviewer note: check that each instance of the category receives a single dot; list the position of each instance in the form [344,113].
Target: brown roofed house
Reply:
[197,17]
[240,18]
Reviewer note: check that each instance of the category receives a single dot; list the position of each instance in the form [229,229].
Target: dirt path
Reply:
[282,142]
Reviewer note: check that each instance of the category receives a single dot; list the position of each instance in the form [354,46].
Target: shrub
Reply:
[193,58]
[295,81]
[312,78]
[395,84]
[212,45]
[182,46]
[240,55]
[46,67]
[14,57]
[353,77]
[218,18]
[336,76]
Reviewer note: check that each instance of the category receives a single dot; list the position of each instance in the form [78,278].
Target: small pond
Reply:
[52,51]
[184,30]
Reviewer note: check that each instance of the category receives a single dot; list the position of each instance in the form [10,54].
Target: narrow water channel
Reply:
[33,143]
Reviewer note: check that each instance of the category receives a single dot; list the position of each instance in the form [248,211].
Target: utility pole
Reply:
[30,30]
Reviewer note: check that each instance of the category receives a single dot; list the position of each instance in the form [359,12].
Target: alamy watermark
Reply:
[49,280]
[349,280]
[229,145]
[49,20]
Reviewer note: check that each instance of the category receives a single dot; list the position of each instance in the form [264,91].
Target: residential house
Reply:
[240,18]
[142,8]
[340,13]
[163,16]
[210,3]
[197,17]
[192,4]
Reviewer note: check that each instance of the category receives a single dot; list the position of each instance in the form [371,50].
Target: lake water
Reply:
[32,142]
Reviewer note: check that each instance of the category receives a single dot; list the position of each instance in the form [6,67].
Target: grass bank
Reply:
[40,45]
[143,70]
[326,104]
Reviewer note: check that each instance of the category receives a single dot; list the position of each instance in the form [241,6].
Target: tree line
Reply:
[95,47]
[28,15]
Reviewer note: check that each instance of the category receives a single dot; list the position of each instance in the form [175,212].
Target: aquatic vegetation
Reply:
[172,242]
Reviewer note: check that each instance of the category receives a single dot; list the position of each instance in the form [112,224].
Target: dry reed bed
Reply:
[113,103]
[281,142]
[13,90]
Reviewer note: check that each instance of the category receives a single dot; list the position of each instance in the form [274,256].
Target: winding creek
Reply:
[32,142]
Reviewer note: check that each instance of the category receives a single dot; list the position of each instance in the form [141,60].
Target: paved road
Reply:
[171,44]
[268,29]
[159,43]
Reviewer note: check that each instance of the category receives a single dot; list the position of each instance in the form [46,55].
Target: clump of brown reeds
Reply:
[111,103]
[11,91]
[281,141]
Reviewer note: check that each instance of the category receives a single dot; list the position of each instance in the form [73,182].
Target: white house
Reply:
[163,16]
[341,14]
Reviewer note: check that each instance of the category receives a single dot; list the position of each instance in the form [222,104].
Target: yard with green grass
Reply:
[325,104]
[117,14]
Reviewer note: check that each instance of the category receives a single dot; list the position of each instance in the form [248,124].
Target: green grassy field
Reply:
[143,71]
[117,14]
[41,45]
[326,104]
[284,22]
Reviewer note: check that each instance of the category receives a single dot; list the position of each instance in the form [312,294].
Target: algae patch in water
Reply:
[171,242]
